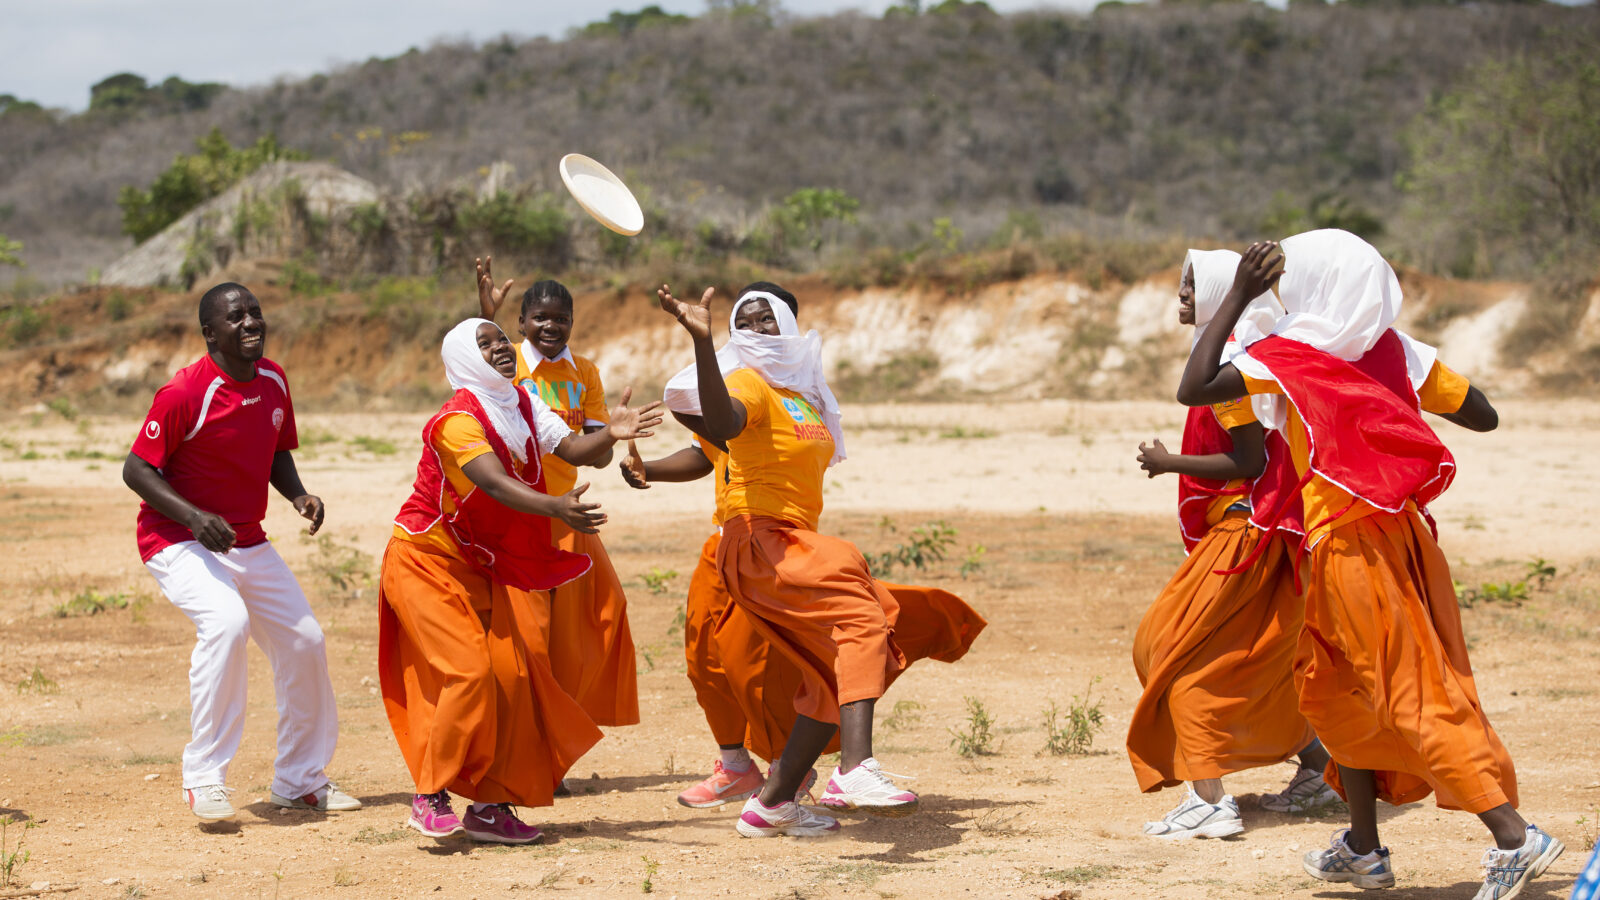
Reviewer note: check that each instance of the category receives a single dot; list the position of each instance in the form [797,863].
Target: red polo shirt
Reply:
[213,440]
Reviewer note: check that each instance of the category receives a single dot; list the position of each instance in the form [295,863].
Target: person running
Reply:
[463,659]
[216,436]
[811,596]
[1215,651]
[745,688]
[1382,668]
[591,645]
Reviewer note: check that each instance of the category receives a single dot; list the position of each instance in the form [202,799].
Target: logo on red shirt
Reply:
[277,419]
[152,429]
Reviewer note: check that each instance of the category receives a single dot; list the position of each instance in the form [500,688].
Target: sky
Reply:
[51,51]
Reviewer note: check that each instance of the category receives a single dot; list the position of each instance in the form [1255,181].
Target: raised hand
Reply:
[212,531]
[309,506]
[632,467]
[628,423]
[490,299]
[1258,270]
[578,515]
[694,317]
[1154,459]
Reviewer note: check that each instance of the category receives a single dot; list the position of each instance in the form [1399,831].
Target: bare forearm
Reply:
[1205,379]
[591,448]
[722,421]
[286,477]
[490,477]
[688,464]
[1217,466]
[154,490]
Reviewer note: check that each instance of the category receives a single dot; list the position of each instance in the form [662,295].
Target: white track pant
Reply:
[230,597]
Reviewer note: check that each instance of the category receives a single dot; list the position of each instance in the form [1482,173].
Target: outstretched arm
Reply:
[688,464]
[1246,460]
[724,419]
[1205,379]
[490,298]
[487,473]
[286,478]
[211,530]
[1476,413]
[626,425]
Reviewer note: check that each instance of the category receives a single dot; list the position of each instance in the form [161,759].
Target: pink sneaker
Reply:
[723,787]
[498,825]
[431,814]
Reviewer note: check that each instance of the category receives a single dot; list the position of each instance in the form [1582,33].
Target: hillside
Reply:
[1219,120]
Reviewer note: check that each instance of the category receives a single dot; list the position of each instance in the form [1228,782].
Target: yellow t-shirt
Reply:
[571,387]
[775,465]
[719,477]
[1230,415]
[1442,392]
[458,440]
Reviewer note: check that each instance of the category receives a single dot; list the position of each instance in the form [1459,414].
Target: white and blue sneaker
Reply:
[1307,792]
[1340,865]
[1506,872]
[1193,817]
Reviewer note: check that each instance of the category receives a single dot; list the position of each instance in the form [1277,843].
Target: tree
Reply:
[8,252]
[805,212]
[1505,168]
[193,179]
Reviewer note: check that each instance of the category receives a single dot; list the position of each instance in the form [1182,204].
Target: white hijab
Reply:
[786,360]
[1340,297]
[464,365]
[1213,277]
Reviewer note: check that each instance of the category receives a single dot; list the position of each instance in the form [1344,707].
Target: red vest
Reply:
[1363,420]
[511,547]
[1274,494]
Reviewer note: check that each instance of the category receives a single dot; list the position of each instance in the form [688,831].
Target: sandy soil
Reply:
[1076,543]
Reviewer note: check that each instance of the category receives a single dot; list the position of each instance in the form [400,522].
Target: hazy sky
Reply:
[51,51]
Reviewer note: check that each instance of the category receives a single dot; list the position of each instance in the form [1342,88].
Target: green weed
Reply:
[375,446]
[89,603]
[974,561]
[659,580]
[650,866]
[927,543]
[977,737]
[370,835]
[905,714]
[13,855]
[1075,735]
[345,569]
[961,433]
[37,683]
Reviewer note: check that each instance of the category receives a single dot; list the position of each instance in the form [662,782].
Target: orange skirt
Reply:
[591,647]
[1215,654]
[705,607]
[812,598]
[1383,673]
[467,685]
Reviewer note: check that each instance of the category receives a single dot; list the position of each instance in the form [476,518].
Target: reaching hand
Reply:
[490,299]
[1258,270]
[694,317]
[578,515]
[212,531]
[1155,459]
[632,467]
[310,508]
[630,423]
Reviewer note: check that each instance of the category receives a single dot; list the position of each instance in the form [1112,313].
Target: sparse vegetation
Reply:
[38,683]
[659,580]
[976,736]
[13,855]
[905,714]
[1537,575]
[375,446]
[89,603]
[927,543]
[650,866]
[9,250]
[1074,735]
[345,570]
[193,179]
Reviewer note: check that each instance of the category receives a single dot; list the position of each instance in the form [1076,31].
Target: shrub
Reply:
[193,179]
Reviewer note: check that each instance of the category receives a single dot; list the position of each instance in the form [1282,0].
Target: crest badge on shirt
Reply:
[277,419]
[152,429]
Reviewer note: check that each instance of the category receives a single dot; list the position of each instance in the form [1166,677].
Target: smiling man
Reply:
[217,434]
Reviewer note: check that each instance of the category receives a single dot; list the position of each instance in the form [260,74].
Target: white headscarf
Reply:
[787,359]
[1340,297]
[466,368]
[1214,271]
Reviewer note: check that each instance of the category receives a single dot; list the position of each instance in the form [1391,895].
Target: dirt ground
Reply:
[1074,544]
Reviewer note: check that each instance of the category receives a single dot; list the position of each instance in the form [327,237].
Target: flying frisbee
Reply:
[601,194]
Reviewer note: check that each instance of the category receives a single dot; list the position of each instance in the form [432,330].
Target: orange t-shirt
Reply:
[571,387]
[1443,392]
[775,465]
[458,440]
[1230,415]
[719,477]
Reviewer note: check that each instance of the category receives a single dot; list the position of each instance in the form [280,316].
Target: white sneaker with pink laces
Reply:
[868,788]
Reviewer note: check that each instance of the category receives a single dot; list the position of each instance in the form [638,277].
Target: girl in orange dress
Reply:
[464,667]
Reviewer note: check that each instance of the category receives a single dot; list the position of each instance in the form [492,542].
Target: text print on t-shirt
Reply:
[809,427]
[565,399]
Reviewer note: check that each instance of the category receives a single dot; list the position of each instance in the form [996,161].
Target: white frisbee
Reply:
[601,194]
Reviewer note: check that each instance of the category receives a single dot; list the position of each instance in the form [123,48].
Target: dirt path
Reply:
[1076,544]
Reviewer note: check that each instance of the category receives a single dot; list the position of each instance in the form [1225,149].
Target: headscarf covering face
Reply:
[1340,296]
[787,359]
[467,370]
[1214,271]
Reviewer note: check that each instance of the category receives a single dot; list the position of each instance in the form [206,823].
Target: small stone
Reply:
[39,886]
[153,776]
[366,681]
[1293,848]
[1258,853]
[372,691]
[110,881]
[283,812]
[66,842]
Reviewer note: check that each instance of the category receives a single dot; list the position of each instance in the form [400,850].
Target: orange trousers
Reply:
[1382,669]
[747,689]
[1215,654]
[591,646]
[467,685]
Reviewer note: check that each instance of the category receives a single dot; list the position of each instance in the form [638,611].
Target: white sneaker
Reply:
[868,788]
[1506,872]
[786,818]
[1340,865]
[1193,817]
[209,802]
[327,798]
[1306,792]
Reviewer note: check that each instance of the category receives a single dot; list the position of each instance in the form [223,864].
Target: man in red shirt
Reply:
[217,434]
